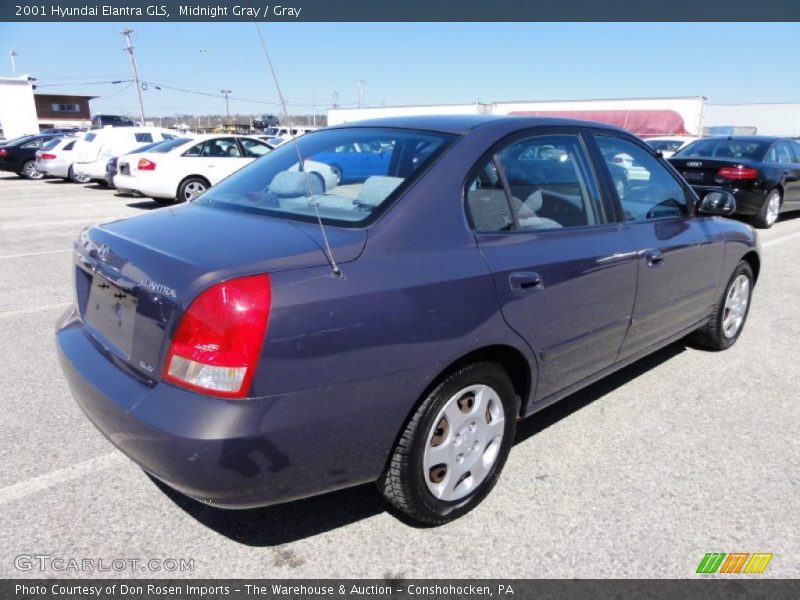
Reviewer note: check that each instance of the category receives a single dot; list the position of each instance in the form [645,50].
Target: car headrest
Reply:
[489,209]
[376,189]
[291,184]
[534,201]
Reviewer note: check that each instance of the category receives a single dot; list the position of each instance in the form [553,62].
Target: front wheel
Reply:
[730,312]
[29,170]
[452,450]
[770,210]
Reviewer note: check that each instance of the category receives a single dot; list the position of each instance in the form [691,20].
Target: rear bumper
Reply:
[142,186]
[52,168]
[748,202]
[234,454]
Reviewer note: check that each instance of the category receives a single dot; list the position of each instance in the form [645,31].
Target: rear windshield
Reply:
[349,175]
[162,147]
[89,137]
[725,148]
[664,145]
[50,144]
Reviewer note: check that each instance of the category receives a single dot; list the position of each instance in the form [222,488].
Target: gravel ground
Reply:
[682,453]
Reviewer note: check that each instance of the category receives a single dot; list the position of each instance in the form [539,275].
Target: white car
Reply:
[670,144]
[182,170]
[98,146]
[56,157]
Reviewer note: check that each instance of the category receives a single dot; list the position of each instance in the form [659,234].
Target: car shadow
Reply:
[143,204]
[293,521]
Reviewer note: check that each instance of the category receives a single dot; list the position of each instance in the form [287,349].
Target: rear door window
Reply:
[196,150]
[541,182]
[221,148]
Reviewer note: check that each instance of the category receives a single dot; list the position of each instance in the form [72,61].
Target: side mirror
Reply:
[717,202]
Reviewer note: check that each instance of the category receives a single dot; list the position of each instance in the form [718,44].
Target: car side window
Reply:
[537,183]
[144,138]
[33,144]
[783,153]
[796,148]
[646,189]
[221,147]
[195,150]
[253,148]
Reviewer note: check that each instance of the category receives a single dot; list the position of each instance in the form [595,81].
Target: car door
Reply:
[564,271]
[788,165]
[679,255]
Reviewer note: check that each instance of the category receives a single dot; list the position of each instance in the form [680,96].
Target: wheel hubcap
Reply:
[773,207]
[464,442]
[736,302]
[193,190]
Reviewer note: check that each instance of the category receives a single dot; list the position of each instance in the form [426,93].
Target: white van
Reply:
[97,147]
[280,134]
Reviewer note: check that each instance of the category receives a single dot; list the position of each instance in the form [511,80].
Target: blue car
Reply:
[274,339]
[356,161]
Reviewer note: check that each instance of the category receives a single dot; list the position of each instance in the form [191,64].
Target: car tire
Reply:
[770,210]
[730,312]
[75,178]
[29,170]
[473,449]
[337,173]
[191,187]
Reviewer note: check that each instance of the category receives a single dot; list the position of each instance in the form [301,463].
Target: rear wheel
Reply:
[29,170]
[191,188]
[77,178]
[451,452]
[770,210]
[730,312]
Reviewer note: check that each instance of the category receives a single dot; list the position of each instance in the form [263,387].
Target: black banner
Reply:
[405,11]
[407,589]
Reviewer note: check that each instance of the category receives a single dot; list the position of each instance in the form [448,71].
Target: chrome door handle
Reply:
[525,283]
[654,258]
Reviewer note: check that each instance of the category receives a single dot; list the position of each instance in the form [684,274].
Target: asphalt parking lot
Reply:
[683,453]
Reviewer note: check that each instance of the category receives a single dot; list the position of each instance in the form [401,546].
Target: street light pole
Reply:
[13,54]
[129,49]
[227,107]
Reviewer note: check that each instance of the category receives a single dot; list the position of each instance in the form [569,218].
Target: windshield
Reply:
[350,174]
[725,148]
[50,144]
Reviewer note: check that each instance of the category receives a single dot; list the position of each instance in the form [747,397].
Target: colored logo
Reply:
[734,563]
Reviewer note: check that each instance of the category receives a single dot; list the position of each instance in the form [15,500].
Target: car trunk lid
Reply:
[136,277]
[705,171]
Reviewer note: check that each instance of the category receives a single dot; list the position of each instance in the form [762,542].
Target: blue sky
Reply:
[408,63]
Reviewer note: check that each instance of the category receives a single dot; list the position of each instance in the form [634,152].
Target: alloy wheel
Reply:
[464,442]
[193,190]
[31,172]
[736,301]
[773,207]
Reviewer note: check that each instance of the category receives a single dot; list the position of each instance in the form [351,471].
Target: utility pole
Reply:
[129,49]
[227,107]
[361,83]
[335,99]
[13,54]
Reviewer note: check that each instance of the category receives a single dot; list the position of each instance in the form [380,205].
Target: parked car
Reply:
[100,121]
[762,172]
[19,155]
[112,164]
[56,157]
[182,171]
[669,144]
[62,130]
[97,147]
[356,162]
[273,340]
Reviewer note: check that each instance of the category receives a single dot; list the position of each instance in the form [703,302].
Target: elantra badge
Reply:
[158,288]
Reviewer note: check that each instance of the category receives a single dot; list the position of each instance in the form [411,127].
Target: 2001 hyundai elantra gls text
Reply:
[273,339]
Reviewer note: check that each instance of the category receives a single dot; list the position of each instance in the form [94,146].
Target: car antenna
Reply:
[301,165]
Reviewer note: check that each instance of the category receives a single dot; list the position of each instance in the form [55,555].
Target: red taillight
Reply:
[146,165]
[3,152]
[47,156]
[738,173]
[218,342]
